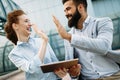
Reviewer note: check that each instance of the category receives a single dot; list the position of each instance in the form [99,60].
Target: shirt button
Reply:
[91,61]
[97,73]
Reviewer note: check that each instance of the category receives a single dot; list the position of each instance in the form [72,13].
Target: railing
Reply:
[57,45]
[5,64]
[116,34]
[2,22]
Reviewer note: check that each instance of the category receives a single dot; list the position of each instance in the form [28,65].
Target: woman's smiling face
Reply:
[24,25]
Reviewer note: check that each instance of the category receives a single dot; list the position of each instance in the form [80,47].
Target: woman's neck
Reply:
[22,38]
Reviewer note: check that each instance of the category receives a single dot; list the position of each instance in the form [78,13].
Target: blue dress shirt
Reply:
[25,56]
[92,44]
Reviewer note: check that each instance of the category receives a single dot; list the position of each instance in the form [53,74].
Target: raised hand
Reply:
[63,33]
[40,32]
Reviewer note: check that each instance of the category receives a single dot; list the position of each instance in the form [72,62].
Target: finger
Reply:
[53,17]
[60,73]
[78,65]
[56,71]
[65,70]
[56,21]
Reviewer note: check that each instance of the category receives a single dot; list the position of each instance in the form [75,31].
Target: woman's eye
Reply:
[27,21]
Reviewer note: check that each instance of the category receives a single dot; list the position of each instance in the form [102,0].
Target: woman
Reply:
[29,53]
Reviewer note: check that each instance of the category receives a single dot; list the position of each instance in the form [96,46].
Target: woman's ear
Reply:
[14,26]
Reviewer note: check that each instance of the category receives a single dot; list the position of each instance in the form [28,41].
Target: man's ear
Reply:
[14,26]
[80,7]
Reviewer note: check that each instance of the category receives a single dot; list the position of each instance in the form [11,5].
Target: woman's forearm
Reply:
[42,50]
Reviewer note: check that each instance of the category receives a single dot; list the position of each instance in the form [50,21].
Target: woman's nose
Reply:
[30,24]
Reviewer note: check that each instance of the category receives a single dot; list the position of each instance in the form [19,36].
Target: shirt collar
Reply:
[20,42]
[87,20]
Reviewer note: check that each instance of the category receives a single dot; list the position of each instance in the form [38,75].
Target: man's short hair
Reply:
[77,2]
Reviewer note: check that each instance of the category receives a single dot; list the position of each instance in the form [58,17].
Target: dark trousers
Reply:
[80,77]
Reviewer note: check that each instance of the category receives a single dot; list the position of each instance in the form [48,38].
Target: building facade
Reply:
[41,11]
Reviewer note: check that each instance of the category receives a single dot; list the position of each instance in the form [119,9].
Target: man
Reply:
[90,39]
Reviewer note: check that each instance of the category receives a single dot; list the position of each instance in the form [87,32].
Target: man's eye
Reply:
[68,8]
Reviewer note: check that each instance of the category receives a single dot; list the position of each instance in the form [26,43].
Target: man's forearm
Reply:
[68,37]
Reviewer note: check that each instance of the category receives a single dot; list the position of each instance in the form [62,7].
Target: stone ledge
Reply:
[6,76]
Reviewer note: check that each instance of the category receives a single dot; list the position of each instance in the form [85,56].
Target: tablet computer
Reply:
[50,67]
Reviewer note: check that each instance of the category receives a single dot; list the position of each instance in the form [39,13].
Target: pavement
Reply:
[19,76]
[16,75]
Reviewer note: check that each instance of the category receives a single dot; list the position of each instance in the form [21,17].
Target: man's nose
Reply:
[66,13]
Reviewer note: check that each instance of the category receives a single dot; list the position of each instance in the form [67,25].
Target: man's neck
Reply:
[81,21]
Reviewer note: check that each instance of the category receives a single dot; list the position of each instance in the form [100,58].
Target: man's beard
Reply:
[74,20]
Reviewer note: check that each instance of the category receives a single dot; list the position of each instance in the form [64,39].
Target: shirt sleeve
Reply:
[101,44]
[68,50]
[32,66]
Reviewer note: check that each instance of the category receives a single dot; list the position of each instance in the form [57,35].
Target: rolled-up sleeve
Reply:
[32,66]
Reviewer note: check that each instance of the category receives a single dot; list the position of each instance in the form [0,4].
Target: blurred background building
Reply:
[41,11]
[6,65]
